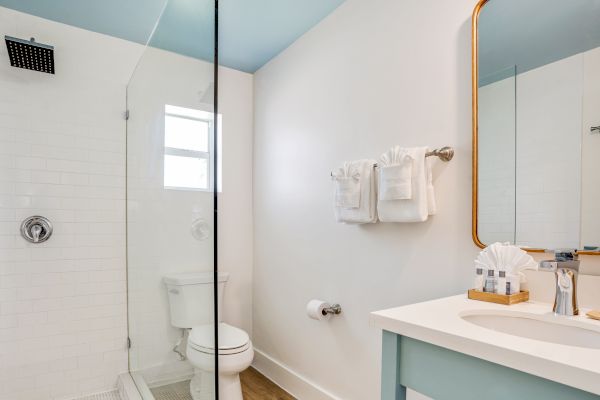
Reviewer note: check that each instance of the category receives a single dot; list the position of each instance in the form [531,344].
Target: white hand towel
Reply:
[395,175]
[417,208]
[347,186]
[366,211]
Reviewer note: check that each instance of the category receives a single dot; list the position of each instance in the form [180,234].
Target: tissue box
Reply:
[499,298]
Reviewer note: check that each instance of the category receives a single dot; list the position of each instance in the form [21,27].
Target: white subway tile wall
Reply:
[590,190]
[497,163]
[63,310]
[63,315]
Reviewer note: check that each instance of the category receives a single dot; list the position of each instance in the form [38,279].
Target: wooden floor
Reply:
[256,386]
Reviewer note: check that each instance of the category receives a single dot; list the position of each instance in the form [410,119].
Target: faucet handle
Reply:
[36,231]
[566,269]
[565,254]
[563,258]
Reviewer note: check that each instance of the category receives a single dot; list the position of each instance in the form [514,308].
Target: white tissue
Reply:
[505,257]
[315,310]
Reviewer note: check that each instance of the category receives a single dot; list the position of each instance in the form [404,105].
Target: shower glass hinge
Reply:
[128,343]
[126,115]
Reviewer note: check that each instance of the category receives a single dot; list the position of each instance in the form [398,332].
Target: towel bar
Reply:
[445,153]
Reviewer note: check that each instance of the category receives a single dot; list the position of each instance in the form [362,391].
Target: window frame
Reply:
[195,154]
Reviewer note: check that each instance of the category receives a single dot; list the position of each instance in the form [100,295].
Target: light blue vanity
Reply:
[444,374]
[460,349]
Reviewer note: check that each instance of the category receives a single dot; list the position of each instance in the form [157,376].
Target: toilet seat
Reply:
[232,340]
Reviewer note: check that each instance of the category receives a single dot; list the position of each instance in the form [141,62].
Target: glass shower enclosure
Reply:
[172,177]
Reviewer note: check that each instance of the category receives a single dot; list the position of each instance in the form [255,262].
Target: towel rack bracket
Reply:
[446,153]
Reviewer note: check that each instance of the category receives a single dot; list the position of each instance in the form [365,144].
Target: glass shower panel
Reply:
[170,183]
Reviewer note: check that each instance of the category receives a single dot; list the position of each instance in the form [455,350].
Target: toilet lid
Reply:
[231,339]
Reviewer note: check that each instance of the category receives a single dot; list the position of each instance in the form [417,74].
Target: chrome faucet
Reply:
[566,268]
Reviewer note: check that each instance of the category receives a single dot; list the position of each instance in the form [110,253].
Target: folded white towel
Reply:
[419,206]
[395,174]
[431,203]
[352,206]
[347,186]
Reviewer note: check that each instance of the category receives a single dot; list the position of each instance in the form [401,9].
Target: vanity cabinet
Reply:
[443,374]
[455,348]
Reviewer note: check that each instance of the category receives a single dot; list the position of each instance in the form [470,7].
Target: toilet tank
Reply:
[191,299]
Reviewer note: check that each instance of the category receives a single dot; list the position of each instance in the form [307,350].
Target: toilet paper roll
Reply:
[315,310]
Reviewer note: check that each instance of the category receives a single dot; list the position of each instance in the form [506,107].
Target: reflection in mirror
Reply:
[538,98]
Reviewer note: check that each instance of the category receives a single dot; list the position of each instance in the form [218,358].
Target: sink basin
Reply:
[546,328]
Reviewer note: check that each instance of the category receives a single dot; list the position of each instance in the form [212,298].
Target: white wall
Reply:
[371,75]
[63,320]
[159,220]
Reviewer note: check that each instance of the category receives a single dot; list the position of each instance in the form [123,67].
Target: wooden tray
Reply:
[499,298]
[594,314]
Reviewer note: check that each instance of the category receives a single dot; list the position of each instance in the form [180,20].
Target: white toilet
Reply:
[191,304]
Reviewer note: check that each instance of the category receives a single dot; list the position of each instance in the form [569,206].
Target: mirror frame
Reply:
[475,171]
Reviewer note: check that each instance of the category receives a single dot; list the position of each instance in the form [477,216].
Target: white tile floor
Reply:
[175,391]
[114,395]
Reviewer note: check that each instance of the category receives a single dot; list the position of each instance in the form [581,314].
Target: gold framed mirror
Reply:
[536,118]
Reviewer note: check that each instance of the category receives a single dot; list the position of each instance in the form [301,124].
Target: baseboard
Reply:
[166,373]
[292,382]
[167,380]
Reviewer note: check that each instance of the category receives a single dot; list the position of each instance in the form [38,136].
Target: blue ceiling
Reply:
[517,35]
[250,32]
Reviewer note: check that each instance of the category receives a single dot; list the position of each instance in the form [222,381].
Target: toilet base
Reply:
[202,386]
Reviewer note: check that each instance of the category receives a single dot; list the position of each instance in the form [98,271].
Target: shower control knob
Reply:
[36,229]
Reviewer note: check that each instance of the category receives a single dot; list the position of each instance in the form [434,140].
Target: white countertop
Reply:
[439,322]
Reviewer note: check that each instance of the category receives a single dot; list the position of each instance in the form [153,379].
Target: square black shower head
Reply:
[29,54]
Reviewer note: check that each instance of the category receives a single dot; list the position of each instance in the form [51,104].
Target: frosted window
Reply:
[186,172]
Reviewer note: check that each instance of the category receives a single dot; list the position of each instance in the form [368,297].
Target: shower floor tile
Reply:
[174,391]
[114,395]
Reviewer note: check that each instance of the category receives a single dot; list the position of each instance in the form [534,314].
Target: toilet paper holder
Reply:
[334,309]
